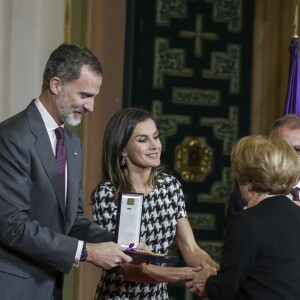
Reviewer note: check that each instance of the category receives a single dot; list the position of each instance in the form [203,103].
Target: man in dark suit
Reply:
[287,128]
[43,230]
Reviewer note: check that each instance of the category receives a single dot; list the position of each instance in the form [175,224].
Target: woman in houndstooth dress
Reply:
[130,161]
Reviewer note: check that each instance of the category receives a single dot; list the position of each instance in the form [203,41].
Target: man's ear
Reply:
[55,85]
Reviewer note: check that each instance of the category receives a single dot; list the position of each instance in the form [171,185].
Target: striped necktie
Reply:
[61,155]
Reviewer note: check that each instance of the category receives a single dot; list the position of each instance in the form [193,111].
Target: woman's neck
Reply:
[258,197]
[140,181]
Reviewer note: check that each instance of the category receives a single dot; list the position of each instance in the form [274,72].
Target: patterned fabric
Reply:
[61,154]
[162,208]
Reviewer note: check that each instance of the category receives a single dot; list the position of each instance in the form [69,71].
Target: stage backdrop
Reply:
[189,62]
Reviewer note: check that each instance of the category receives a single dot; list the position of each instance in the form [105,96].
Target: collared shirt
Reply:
[51,125]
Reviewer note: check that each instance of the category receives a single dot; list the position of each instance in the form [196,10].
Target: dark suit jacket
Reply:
[38,233]
[261,254]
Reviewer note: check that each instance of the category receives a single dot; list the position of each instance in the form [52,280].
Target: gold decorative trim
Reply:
[193,159]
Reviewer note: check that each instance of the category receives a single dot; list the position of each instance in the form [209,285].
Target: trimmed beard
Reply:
[65,112]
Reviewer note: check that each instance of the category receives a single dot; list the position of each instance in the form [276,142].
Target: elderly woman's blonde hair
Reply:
[268,162]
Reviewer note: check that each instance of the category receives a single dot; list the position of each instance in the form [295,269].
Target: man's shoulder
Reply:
[19,120]
[15,123]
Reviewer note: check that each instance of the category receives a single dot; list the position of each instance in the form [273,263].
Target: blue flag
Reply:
[292,104]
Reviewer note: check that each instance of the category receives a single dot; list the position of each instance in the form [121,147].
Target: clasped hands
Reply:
[197,284]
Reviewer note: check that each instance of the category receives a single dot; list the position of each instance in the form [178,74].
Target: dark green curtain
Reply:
[189,63]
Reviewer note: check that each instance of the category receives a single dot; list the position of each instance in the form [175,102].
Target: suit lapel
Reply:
[74,177]
[45,152]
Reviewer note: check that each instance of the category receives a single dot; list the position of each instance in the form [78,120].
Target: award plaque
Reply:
[129,214]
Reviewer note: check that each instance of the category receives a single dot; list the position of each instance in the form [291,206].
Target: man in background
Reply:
[287,128]
[43,230]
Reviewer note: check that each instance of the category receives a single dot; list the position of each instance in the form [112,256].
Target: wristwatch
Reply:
[84,253]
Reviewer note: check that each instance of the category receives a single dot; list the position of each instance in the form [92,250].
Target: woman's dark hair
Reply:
[116,136]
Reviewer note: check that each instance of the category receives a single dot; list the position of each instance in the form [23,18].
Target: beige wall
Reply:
[274,28]
[29,31]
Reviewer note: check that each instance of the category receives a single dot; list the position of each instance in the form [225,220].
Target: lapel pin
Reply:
[75,153]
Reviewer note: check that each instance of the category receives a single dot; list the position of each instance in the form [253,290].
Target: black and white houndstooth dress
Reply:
[162,208]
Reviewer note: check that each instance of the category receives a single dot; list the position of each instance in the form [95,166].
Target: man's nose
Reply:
[89,105]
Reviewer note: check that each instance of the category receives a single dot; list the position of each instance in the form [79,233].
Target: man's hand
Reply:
[106,255]
[202,272]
